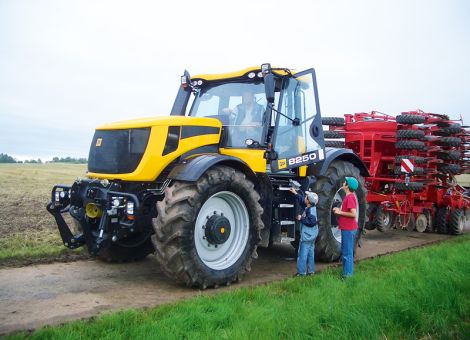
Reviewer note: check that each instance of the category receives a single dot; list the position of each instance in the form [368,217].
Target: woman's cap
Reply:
[352,183]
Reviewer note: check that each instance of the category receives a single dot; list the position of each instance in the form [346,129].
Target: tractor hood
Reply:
[160,121]
[140,149]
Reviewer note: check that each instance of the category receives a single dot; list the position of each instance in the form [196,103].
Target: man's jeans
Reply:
[306,256]
[347,251]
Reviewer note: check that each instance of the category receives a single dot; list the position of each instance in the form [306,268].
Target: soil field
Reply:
[45,294]
[28,233]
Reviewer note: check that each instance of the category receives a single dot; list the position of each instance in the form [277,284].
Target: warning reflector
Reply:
[407,165]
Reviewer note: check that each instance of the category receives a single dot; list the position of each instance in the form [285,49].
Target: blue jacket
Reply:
[309,217]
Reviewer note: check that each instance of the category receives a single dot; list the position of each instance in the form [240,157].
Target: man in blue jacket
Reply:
[308,232]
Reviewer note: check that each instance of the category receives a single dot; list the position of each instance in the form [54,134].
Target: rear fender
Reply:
[332,154]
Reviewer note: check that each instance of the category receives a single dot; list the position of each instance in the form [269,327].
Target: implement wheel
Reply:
[384,220]
[206,232]
[334,144]
[456,222]
[328,188]
[410,119]
[441,220]
[334,121]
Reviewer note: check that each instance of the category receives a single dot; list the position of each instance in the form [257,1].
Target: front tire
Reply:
[328,243]
[206,232]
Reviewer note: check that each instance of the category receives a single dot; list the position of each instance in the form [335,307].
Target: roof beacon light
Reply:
[251,75]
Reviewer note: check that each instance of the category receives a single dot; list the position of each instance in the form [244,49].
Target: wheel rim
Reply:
[461,224]
[386,218]
[231,207]
[337,202]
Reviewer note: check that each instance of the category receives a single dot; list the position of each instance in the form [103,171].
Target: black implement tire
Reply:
[449,168]
[452,155]
[406,134]
[410,119]
[416,159]
[327,247]
[456,222]
[449,141]
[370,216]
[451,130]
[191,253]
[384,220]
[334,144]
[334,121]
[413,186]
[332,134]
[441,221]
[409,145]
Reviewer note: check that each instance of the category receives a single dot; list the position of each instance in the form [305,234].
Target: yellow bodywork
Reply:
[153,162]
[237,74]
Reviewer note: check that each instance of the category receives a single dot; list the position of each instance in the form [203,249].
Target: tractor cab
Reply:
[269,109]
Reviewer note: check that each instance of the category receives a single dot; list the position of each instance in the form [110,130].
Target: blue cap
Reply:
[352,183]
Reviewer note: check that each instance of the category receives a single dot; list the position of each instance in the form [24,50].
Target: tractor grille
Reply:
[117,151]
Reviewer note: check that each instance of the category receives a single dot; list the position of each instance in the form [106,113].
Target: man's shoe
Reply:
[298,274]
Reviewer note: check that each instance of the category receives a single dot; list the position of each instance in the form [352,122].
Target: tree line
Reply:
[5,158]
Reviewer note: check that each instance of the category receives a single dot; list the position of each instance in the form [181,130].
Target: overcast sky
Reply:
[68,66]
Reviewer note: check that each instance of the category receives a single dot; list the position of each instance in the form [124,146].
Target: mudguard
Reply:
[331,154]
[192,169]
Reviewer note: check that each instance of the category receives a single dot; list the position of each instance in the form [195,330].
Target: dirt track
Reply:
[39,295]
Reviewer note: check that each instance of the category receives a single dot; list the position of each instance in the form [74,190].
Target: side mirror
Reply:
[269,87]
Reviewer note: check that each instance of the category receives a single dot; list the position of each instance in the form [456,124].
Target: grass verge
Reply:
[420,293]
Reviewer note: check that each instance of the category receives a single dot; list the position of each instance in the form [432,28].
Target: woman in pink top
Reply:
[348,224]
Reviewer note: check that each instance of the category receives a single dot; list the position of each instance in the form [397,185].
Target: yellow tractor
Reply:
[204,187]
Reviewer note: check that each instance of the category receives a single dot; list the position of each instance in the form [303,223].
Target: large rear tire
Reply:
[206,232]
[328,243]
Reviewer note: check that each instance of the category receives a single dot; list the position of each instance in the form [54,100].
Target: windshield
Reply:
[240,106]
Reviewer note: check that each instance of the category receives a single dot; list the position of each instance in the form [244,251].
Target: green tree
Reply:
[5,158]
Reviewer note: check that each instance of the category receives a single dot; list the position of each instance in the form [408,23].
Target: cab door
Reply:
[298,134]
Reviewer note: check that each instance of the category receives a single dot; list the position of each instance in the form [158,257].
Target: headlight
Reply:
[130,208]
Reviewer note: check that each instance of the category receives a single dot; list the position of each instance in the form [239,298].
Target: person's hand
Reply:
[292,190]
[299,217]
[336,210]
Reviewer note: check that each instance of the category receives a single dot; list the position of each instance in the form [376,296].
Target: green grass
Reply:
[27,231]
[415,294]
[18,249]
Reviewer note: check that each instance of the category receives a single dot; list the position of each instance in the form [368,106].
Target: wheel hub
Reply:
[217,229]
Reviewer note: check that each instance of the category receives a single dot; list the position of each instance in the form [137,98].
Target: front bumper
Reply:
[111,215]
